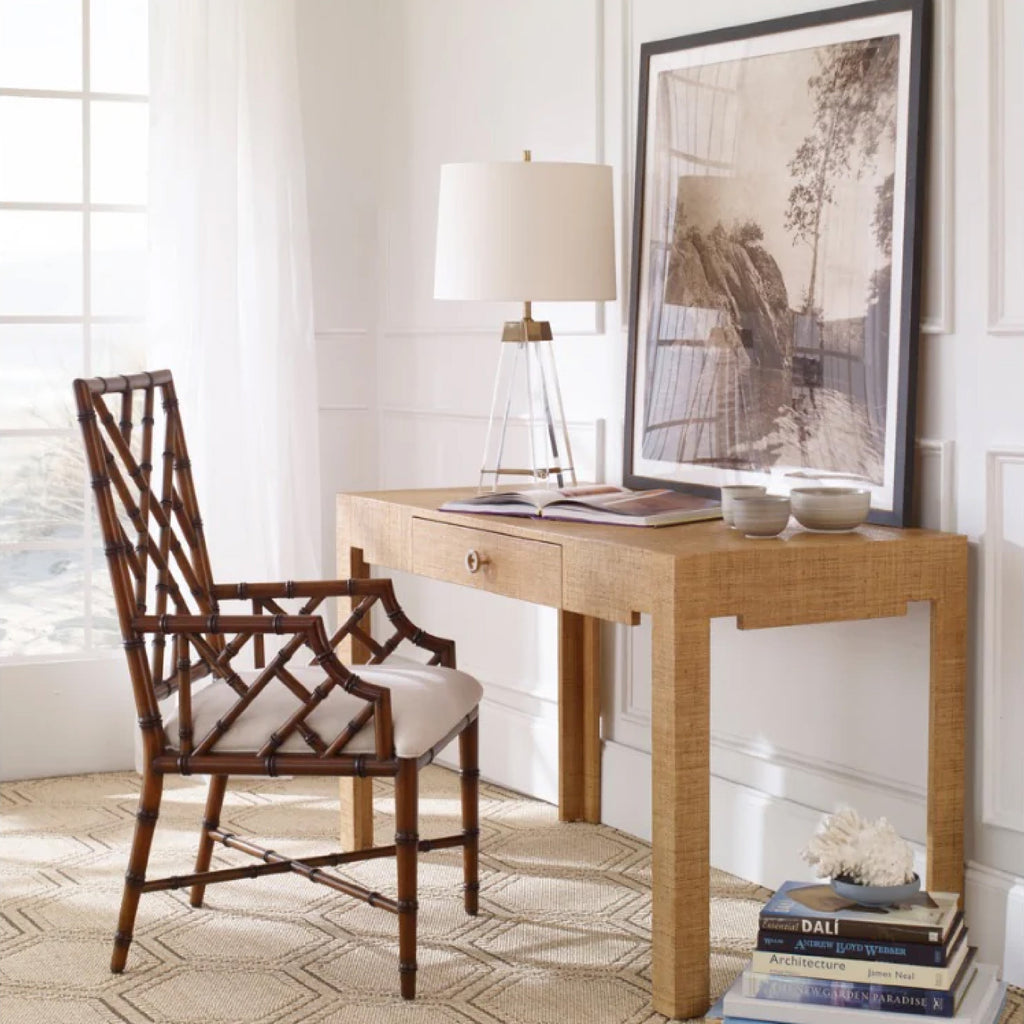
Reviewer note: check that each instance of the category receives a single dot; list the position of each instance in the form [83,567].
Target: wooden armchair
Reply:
[300,713]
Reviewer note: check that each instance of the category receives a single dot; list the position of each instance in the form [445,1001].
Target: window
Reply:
[73,163]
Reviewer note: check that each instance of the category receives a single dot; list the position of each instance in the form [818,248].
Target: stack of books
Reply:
[822,958]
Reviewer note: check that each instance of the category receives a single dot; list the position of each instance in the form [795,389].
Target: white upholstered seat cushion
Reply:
[426,704]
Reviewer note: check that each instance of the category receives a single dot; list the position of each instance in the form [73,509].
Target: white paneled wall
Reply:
[1006,157]
[803,719]
[937,293]
[339,56]
[1003,685]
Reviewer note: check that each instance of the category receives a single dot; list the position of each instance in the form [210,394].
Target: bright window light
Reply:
[73,184]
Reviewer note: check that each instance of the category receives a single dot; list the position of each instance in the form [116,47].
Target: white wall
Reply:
[339,48]
[66,717]
[392,91]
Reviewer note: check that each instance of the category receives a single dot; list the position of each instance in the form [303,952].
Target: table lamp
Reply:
[526,231]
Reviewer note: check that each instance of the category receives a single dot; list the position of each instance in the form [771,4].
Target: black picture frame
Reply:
[751,360]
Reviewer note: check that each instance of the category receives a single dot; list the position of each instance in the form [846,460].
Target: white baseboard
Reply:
[787,777]
[518,750]
[66,718]
[995,915]
[1013,958]
[754,834]
[757,835]
[816,783]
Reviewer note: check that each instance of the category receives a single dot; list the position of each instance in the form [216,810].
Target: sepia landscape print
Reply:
[764,315]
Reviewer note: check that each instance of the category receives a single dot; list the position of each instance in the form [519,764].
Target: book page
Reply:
[532,497]
[593,496]
[643,503]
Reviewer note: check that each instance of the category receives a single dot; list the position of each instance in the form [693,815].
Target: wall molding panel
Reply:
[493,331]
[634,703]
[1003,677]
[936,500]
[346,368]
[1006,154]
[937,316]
[770,768]
[627,154]
[586,436]
[329,333]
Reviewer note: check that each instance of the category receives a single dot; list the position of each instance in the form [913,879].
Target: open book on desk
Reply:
[600,503]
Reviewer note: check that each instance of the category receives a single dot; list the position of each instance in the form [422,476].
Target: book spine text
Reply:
[889,998]
[925,954]
[842,969]
[831,927]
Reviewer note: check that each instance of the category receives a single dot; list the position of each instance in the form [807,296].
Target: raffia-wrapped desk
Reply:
[682,576]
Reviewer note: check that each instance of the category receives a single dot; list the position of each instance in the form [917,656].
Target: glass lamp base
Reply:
[527,437]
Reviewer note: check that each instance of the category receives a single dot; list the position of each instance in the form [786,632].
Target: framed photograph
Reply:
[776,255]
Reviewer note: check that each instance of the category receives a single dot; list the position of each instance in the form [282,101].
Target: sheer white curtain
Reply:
[231,308]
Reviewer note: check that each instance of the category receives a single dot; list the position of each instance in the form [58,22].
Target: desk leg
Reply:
[681,882]
[579,718]
[946,738]
[355,796]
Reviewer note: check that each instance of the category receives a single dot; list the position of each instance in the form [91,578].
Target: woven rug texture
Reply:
[563,934]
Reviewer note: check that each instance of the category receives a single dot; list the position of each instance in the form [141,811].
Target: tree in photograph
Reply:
[854,97]
[882,224]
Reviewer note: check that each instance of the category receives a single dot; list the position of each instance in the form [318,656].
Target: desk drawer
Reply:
[530,570]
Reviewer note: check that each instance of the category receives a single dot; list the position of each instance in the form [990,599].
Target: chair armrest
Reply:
[307,629]
[296,588]
[172,624]
[376,589]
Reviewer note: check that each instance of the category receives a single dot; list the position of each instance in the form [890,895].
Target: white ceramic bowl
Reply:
[760,515]
[830,508]
[731,491]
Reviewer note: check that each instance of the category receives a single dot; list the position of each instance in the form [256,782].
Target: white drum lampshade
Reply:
[526,232]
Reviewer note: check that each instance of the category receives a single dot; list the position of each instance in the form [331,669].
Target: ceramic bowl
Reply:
[760,515]
[876,895]
[731,491]
[830,508]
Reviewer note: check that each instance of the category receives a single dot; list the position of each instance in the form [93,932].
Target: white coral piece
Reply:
[868,852]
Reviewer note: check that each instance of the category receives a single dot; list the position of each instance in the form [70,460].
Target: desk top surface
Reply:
[683,539]
[698,570]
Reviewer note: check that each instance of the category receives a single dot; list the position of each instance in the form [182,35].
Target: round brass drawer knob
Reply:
[474,560]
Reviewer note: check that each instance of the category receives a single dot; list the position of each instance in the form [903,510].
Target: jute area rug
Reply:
[562,936]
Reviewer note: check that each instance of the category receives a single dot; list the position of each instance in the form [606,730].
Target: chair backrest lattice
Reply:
[148,515]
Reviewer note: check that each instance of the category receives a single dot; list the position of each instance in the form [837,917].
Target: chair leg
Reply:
[470,774]
[211,819]
[145,824]
[407,848]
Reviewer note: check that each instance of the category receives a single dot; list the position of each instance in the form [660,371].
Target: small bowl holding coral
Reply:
[830,509]
[876,895]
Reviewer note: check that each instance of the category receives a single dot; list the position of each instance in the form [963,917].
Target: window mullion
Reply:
[72,94]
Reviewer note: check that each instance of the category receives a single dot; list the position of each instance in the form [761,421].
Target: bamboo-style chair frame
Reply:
[164,589]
